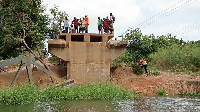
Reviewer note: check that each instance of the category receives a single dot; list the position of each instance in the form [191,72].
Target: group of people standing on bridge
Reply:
[106,25]
[77,25]
[81,25]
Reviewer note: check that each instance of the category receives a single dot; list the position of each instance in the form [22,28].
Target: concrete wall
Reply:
[89,61]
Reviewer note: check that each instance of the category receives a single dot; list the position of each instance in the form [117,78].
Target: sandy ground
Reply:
[122,76]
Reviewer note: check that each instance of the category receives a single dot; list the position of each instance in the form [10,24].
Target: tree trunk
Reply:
[45,65]
[39,51]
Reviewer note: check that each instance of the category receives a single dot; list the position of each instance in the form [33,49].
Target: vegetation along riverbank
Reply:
[25,94]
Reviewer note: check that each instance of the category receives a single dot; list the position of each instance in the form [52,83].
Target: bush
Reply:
[161,92]
[52,59]
[153,71]
[137,69]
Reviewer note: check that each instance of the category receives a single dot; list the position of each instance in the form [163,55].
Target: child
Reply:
[83,25]
[80,25]
[71,29]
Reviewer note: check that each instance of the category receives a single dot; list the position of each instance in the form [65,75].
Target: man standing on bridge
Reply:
[75,22]
[87,22]
[100,22]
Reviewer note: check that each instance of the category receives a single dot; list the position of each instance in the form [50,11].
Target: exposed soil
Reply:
[149,85]
[40,78]
[122,76]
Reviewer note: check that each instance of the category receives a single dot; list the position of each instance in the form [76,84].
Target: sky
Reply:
[159,17]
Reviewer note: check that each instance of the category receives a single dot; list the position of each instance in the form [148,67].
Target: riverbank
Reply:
[26,94]
[145,86]
[148,86]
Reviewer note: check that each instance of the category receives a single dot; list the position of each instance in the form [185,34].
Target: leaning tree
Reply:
[23,25]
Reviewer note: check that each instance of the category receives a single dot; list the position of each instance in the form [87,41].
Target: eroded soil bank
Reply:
[123,76]
[149,85]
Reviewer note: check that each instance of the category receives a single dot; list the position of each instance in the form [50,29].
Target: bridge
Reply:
[87,56]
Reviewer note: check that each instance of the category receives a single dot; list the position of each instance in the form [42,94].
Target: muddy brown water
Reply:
[151,104]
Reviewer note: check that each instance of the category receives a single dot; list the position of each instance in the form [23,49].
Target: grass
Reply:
[177,58]
[26,94]
[161,92]
[197,94]
[154,71]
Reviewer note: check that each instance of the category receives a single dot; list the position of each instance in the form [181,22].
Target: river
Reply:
[152,104]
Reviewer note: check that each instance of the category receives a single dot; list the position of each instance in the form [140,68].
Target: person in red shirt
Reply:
[105,25]
[75,22]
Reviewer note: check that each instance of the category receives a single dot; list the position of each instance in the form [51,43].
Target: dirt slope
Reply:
[149,85]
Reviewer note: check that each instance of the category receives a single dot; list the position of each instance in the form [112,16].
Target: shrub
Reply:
[153,71]
[161,92]
[137,69]
[52,59]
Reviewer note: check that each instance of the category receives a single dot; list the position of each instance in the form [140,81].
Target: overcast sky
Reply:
[182,17]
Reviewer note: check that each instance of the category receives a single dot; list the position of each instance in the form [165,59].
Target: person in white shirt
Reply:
[66,24]
[112,17]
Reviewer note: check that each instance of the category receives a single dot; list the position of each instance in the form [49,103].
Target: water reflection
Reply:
[153,104]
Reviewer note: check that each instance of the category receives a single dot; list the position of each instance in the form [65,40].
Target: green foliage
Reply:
[163,52]
[126,59]
[197,94]
[153,71]
[137,69]
[178,58]
[21,95]
[25,94]
[26,20]
[55,22]
[161,92]
[52,59]
[139,46]
[123,60]
[16,16]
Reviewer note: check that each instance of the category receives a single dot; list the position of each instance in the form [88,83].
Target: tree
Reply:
[55,22]
[22,24]
[139,46]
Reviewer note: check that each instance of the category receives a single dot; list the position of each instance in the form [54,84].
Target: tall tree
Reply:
[22,23]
